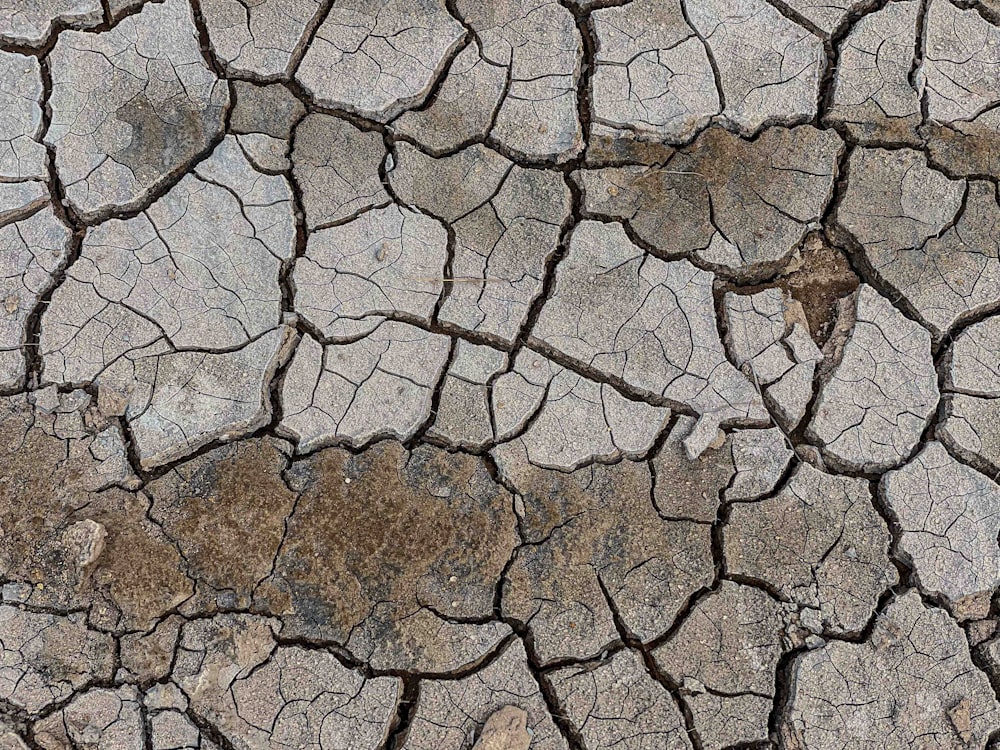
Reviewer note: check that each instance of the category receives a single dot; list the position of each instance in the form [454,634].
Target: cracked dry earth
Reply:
[499,374]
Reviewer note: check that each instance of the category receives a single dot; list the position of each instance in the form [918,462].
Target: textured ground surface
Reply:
[439,374]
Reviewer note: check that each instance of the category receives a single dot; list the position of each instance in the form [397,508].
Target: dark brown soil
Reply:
[817,277]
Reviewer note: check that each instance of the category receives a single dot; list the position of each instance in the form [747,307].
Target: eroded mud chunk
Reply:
[506,728]
[767,337]
[690,489]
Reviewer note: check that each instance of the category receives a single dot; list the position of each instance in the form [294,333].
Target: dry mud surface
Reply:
[499,374]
